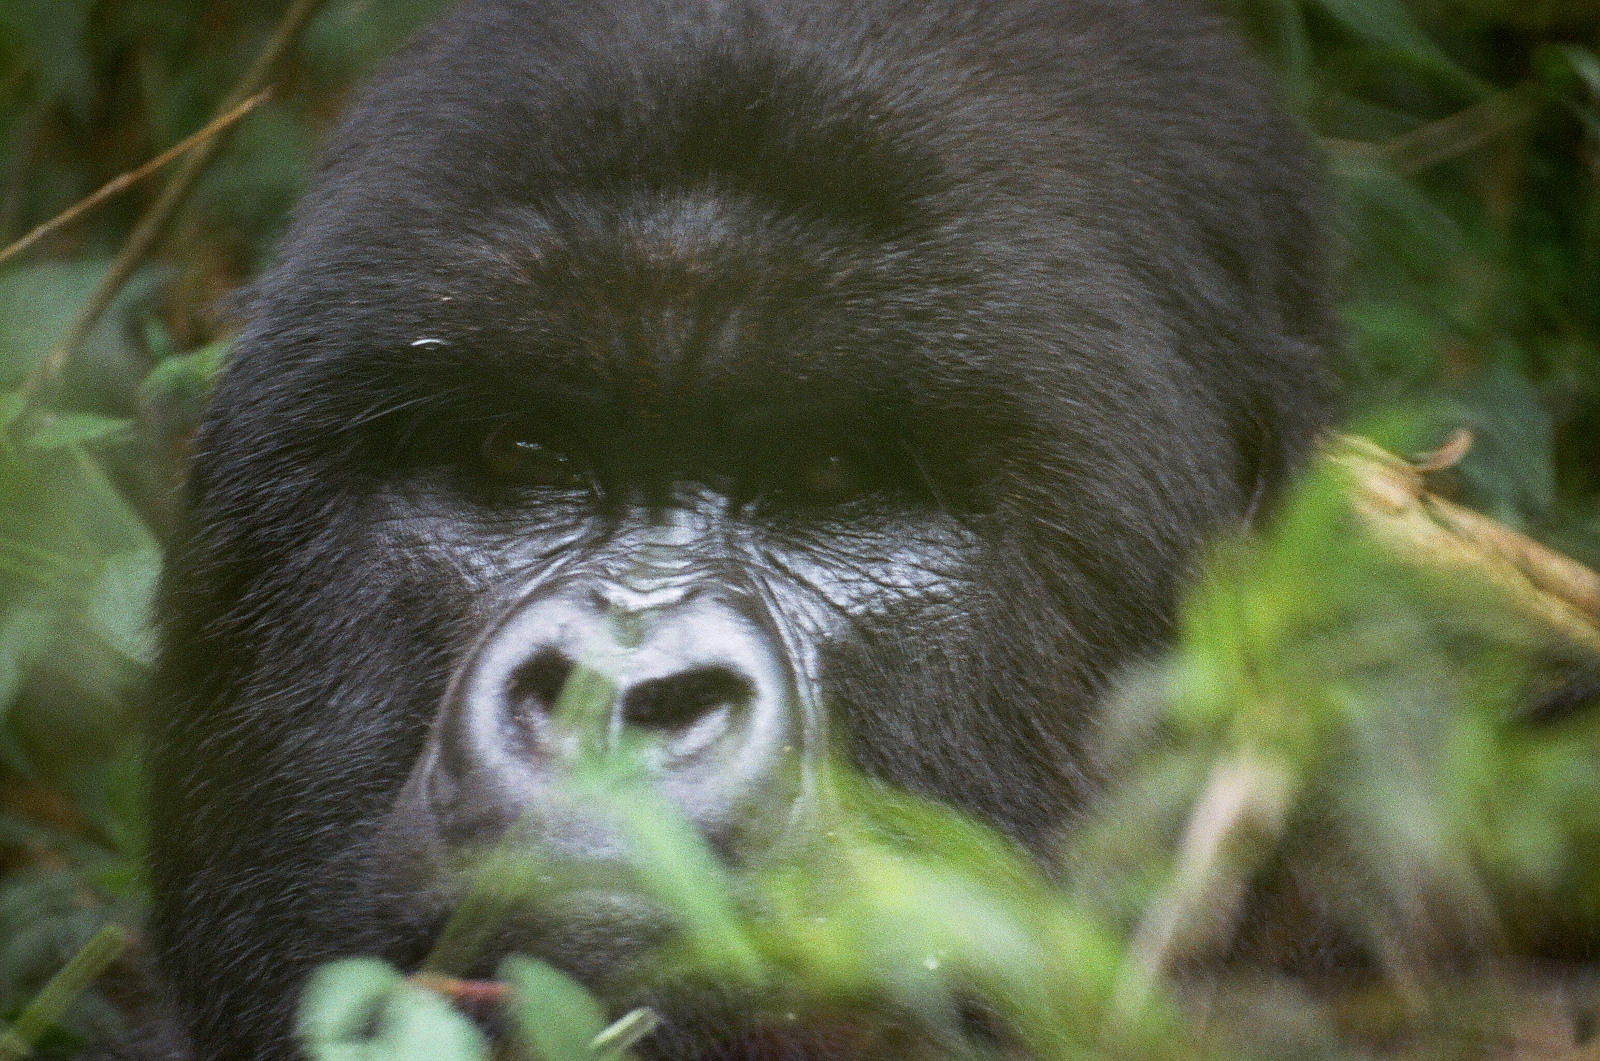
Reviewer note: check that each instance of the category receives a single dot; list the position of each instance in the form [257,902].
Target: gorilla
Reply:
[846,374]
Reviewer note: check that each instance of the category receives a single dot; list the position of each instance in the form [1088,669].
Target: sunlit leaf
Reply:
[555,1016]
[120,602]
[362,1010]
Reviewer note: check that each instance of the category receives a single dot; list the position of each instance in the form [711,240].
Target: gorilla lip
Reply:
[781,1037]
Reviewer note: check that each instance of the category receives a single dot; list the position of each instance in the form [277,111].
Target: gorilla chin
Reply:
[824,375]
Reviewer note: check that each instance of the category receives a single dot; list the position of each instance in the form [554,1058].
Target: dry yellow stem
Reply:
[1391,496]
[1242,809]
[1239,815]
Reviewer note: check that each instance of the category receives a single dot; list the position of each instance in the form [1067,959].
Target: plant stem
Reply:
[153,226]
[213,128]
[48,1005]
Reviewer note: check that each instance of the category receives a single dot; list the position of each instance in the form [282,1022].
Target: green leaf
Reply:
[26,630]
[121,601]
[1390,24]
[37,304]
[556,1017]
[677,869]
[172,396]
[11,407]
[341,996]
[73,429]
[360,1009]
[184,374]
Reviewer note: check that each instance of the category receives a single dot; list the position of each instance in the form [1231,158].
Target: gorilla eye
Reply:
[830,479]
[509,455]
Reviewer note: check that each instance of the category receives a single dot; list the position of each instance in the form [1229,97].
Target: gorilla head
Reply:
[856,373]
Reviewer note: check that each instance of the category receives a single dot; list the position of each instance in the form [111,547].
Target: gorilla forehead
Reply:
[665,217]
[721,139]
[524,100]
[655,306]
[901,206]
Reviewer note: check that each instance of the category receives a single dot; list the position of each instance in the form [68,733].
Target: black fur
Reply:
[1054,264]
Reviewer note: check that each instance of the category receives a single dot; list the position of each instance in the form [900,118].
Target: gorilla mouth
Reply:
[706,1029]
[703,1030]
[705,1022]
[842,1041]
[598,923]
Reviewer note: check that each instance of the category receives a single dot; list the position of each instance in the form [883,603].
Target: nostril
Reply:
[679,700]
[535,686]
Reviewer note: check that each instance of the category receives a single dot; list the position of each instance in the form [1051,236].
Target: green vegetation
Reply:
[1345,744]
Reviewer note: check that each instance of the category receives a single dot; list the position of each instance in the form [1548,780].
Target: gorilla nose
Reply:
[562,668]
[678,700]
[664,704]
[692,689]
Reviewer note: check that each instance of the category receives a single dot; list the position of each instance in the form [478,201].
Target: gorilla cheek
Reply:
[979,700]
[880,607]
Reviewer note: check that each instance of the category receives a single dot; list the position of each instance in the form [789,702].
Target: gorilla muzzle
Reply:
[667,680]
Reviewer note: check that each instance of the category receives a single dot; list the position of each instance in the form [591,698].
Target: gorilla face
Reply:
[825,375]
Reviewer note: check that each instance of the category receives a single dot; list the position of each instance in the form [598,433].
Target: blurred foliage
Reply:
[1463,138]
[893,927]
[1379,742]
